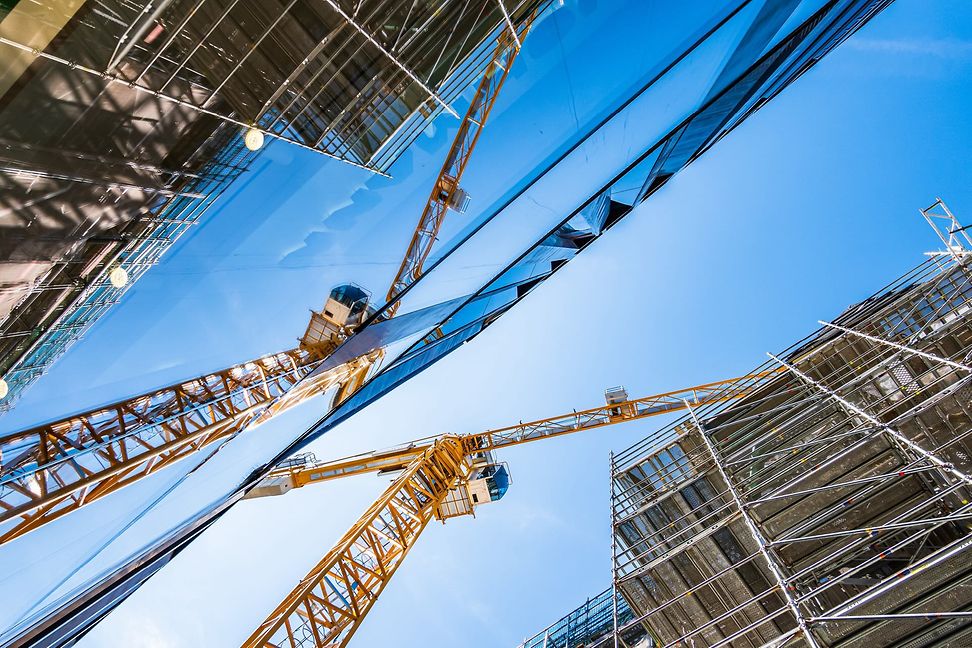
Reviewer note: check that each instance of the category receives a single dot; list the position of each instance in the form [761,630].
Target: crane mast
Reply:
[330,603]
[447,192]
[443,477]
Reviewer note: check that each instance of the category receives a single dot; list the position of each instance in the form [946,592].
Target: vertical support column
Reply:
[614,555]
[932,458]
[756,533]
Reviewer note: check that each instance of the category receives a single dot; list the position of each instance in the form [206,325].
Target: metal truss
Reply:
[57,468]
[450,175]
[307,470]
[831,504]
[329,604]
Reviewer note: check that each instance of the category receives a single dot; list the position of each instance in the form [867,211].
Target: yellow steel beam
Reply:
[446,183]
[329,604]
[576,421]
[54,469]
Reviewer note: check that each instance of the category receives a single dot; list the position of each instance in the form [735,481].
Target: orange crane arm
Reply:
[329,604]
[307,471]
[446,187]
[54,469]
[331,601]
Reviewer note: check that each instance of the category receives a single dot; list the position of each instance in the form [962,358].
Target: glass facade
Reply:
[26,354]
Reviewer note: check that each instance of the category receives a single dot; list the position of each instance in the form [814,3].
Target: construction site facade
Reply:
[123,122]
[826,500]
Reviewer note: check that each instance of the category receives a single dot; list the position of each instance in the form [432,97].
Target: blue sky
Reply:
[808,207]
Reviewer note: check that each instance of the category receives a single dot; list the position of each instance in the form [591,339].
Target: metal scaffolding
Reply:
[830,506]
[342,78]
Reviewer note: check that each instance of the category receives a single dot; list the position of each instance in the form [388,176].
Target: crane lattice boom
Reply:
[297,474]
[446,191]
[330,603]
[54,469]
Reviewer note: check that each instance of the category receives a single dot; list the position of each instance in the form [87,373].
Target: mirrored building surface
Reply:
[122,122]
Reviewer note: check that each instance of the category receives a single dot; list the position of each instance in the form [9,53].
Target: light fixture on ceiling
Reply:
[118,277]
[253,139]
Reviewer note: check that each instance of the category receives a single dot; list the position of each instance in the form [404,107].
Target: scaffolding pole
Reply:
[761,542]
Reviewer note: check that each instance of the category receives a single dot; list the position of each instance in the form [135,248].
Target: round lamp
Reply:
[118,277]
[253,139]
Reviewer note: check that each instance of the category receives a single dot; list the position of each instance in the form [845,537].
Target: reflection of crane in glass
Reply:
[446,191]
[51,470]
[441,477]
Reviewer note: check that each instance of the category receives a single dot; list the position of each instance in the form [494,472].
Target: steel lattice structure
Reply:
[331,601]
[450,175]
[830,506]
[59,467]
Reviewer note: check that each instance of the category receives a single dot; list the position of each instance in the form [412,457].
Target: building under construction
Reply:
[826,500]
[122,123]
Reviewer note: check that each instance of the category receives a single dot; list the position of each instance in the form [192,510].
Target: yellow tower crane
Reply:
[441,477]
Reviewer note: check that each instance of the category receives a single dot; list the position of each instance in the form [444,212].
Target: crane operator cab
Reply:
[346,308]
[488,482]
[619,407]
